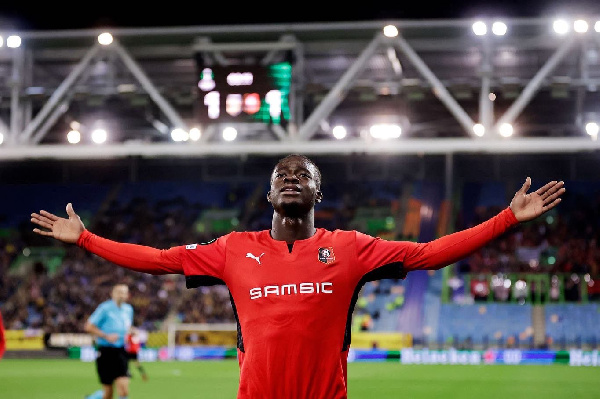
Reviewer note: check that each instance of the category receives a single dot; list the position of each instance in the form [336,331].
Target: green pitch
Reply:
[60,379]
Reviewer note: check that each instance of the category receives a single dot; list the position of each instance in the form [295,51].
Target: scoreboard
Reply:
[244,93]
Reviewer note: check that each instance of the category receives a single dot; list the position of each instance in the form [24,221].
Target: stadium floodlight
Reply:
[195,134]
[74,137]
[492,96]
[1,41]
[479,28]
[390,31]
[13,41]
[339,132]
[105,38]
[385,131]
[597,26]
[229,133]
[99,136]
[592,129]
[580,26]
[479,129]
[506,130]
[499,28]
[560,26]
[179,134]
[1,138]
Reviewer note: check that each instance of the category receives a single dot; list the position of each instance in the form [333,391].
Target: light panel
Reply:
[105,38]
[479,28]
[478,129]
[561,26]
[580,26]
[385,131]
[13,41]
[339,132]
[74,137]
[499,28]
[195,134]
[229,133]
[390,31]
[179,134]
[592,128]
[99,136]
[506,130]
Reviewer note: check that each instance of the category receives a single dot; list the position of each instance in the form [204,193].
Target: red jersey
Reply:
[132,343]
[294,307]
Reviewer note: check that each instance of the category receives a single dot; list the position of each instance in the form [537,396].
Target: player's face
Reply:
[120,293]
[294,187]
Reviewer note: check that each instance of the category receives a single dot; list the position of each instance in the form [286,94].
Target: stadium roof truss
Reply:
[436,79]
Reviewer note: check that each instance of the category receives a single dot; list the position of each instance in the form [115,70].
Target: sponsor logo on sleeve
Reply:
[194,246]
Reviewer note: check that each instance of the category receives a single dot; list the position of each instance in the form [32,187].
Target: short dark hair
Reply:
[308,160]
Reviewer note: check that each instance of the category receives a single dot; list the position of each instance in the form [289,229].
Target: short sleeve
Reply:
[98,315]
[207,259]
[375,253]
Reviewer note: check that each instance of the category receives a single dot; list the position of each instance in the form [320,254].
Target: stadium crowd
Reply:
[563,243]
[59,301]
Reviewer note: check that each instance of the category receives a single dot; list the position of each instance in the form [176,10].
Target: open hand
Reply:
[66,230]
[529,206]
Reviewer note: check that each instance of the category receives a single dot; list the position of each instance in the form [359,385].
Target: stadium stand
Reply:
[573,324]
[443,308]
[477,326]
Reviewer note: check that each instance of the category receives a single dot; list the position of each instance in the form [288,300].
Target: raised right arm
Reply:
[131,256]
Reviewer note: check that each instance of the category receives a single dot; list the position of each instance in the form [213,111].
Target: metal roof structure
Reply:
[436,79]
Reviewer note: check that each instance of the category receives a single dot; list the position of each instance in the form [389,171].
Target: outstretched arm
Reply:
[135,257]
[450,248]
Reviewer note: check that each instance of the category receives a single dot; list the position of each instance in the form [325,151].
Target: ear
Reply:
[269,196]
[319,196]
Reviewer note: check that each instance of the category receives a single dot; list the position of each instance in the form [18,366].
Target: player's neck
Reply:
[290,229]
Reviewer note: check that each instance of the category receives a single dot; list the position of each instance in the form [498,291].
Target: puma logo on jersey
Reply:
[256,258]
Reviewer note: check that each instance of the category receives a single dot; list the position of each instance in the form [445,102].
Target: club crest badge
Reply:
[326,255]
